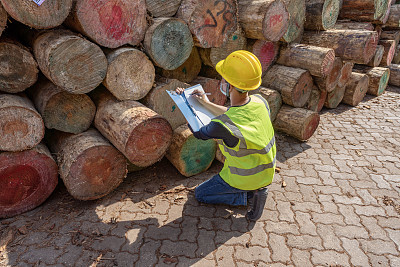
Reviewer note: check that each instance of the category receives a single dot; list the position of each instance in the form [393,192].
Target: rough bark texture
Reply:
[190,155]
[266,51]
[3,19]
[396,57]
[329,82]
[89,165]
[162,8]
[294,84]
[110,23]
[389,47]
[345,73]
[273,98]
[356,89]
[297,122]
[264,20]
[334,98]
[49,15]
[354,25]
[211,22]
[378,78]
[211,86]
[60,110]
[138,132]
[394,78]
[130,74]
[318,60]
[364,10]
[377,58]
[393,21]
[297,11]
[316,100]
[70,61]
[391,35]
[21,126]
[321,14]
[27,179]
[168,42]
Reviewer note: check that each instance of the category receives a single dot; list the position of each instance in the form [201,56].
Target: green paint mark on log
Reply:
[234,37]
[184,70]
[383,83]
[197,155]
[173,108]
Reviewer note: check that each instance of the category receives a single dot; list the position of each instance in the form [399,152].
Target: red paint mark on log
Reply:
[311,127]
[13,127]
[275,20]
[114,22]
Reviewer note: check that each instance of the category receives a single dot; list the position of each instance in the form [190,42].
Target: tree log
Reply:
[389,47]
[168,42]
[316,100]
[60,110]
[211,86]
[329,82]
[70,61]
[364,10]
[266,51]
[293,84]
[356,89]
[356,46]
[393,21]
[27,179]
[110,23]
[273,98]
[391,35]
[264,20]
[48,15]
[162,8]
[377,58]
[219,156]
[130,74]
[139,133]
[321,14]
[394,77]
[209,72]
[21,126]
[396,57]
[345,73]
[297,122]
[354,25]
[89,165]
[3,19]
[211,22]
[318,60]
[190,155]
[297,11]
[334,98]
[378,78]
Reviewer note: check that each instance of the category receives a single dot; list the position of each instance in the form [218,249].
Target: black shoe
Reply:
[256,203]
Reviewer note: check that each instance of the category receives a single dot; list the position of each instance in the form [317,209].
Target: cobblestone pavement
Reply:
[340,207]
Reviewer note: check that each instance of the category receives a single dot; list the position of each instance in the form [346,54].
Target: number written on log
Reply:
[38,2]
[275,20]
[227,9]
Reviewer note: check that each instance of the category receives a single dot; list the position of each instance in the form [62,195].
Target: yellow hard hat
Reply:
[241,69]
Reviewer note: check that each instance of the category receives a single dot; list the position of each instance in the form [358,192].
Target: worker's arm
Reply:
[215,130]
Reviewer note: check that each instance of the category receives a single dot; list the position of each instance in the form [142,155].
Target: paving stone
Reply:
[214,224]
[329,207]
[134,239]
[206,243]
[326,178]
[308,193]
[189,229]
[258,235]
[280,251]
[375,231]
[395,236]
[379,247]
[329,239]
[305,223]
[147,255]
[369,210]
[307,207]
[304,241]
[329,258]
[301,258]
[232,238]
[281,228]
[351,231]
[70,254]
[347,200]
[327,218]
[224,256]
[108,243]
[198,262]
[86,258]
[394,261]
[285,213]
[253,252]
[162,233]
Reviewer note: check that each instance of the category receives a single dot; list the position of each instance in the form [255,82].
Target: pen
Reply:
[200,94]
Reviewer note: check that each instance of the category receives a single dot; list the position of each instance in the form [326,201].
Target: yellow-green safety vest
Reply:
[251,163]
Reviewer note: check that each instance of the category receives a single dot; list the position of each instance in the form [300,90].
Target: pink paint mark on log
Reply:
[267,55]
[275,20]
[113,20]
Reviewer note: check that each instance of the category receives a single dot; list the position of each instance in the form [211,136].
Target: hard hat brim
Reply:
[234,83]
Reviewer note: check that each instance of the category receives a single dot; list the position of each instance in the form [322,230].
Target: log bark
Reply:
[211,86]
[89,165]
[211,22]
[393,21]
[60,110]
[329,82]
[297,122]
[264,20]
[273,98]
[318,60]
[190,155]
[321,15]
[389,47]
[316,100]
[396,57]
[27,179]
[266,51]
[110,23]
[168,42]
[345,73]
[351,45]
[297,12]
[377,58]
[293,84]
[162,8]
[48,15]
[334,98]
[364,10]
[21,126]
[138,132]
[3,19]
[391,35]
[378,78]
[354,25]
[70,61]
[356,89]
[394,78]
[130,73]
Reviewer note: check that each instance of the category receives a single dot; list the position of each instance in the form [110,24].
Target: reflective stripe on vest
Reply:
[265,103]
[255,170]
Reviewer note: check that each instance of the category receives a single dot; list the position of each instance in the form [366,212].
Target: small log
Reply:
[330,82]
[364,10]
[48,15]
[316,100]
[266,51]
[264,20]
[190,155]
[377,58]
[273,98]
[393,21]
[168,42]
[211,86]
[3,19]
[354,25]
[378,78]
[70,61]
[297,122]
[318,60]
[391,35]
[394,77]
[293,84]
[396,57]
[27,179]
[211,22]
[334,97]
[138,132]
[186,72]
[162,8]
[297,12]
[89,165]
[356,89]
[321,14]
[351,45]
[60,110]
[110,23]
[21,126]
[209,72]
[345,73]
[389,47]
[130,73]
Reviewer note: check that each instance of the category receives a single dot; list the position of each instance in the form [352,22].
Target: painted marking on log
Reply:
[224,13]
[267,54]
[184,70]
[113,21]
[275,20]
[383,83]
[234,37]
[197,155]
[15,126]
[173,108]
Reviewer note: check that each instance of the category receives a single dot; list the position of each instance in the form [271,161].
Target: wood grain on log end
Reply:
[316,100]
[396,57]
[334,97]
[356,89]
[211,86]
[266,51]
[394,78]
[329,82]
[345,73]
[377,58]
[321,15]
[388,54]
[297,11]
[378,78]
[162,8]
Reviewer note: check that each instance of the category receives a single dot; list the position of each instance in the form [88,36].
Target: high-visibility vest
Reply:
[251,163]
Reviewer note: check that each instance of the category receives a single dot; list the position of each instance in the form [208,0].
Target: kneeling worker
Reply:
[245,136]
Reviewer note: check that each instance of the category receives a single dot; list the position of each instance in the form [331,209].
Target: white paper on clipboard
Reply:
[38,2]
[204,116]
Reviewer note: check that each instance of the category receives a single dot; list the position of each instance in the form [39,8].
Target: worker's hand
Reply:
[199,95]
[179,90]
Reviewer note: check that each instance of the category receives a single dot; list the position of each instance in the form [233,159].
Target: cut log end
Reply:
[266,51]
[316,100]
[330,13]
[334,98]
[211,86]
[356,89]
[302,90]
[297,11]
[345,73]
[276,21]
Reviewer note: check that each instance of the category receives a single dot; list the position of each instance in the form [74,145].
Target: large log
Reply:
[263,20]
[334,97]
[162,8]
[364,10]
[168,42]
[377,58]
[316,100]
[356,89]
[329,82]
[297,12]
[391,35]
[21,126]
[70,61]
[345,73]
[318,60]
[3,19]
[321,14]
[297,122]
[394,78]
[393,21]
[60,110]
[351,45]
[396,57]
[190,155]
[138,132]
[89,165]
[211,86]
[294,84]
[48,15]
[18,68]
[378,78]
[211,22]
[130,74]
[266,51]
[273,98]
[389,47]
[27,179]
[110,23]
[354,25]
